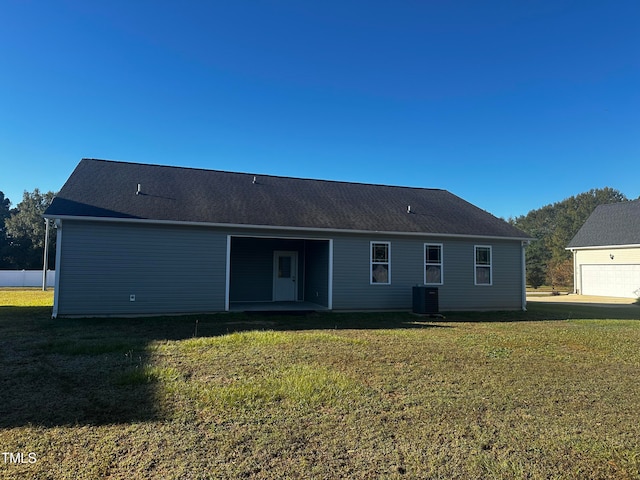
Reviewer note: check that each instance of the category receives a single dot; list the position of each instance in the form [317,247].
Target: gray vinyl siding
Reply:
[352,272]
[251,275]
[168,269]
[459,291]
[183,269]
[317,272]
[352,288]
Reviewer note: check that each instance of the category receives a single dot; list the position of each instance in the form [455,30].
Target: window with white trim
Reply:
[483,268]
[381,263]
[433,264]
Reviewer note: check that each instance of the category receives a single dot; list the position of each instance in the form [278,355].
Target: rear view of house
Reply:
[606,252]
[137,239]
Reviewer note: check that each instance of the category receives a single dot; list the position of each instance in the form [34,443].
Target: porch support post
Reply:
[330,280]
[56,290]
[575,272]
[524,276]
[45,261]
[227,275]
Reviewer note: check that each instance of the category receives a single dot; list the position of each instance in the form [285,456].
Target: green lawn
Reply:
[549,393]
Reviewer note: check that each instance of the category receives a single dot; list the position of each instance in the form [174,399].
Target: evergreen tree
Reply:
[553,226]
[5,213]
[25,231]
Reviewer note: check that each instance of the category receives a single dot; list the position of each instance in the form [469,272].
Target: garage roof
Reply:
[611,224]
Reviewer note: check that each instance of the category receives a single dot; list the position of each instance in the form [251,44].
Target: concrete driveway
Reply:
[583,299]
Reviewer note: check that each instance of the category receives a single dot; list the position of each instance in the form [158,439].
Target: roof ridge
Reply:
[621,202]
[288,177]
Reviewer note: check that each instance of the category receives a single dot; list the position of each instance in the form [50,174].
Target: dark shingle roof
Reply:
[101,188]
[612,224]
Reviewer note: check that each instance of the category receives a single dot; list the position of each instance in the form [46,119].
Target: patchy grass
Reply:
[548,393]
[25,297]
[295,387]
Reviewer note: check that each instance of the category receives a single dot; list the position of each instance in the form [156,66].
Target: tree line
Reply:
[553,226]
[22,232]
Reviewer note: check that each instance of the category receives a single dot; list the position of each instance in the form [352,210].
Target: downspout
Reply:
[524,276]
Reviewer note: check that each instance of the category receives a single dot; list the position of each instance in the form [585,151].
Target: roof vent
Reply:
[138,191]
[408,208]
[255,180]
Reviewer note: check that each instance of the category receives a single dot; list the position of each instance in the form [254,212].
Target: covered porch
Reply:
[279,274]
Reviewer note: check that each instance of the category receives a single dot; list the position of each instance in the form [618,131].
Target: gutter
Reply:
[600,247]
[278,227]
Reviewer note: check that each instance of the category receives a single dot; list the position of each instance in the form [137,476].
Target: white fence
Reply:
[26,278]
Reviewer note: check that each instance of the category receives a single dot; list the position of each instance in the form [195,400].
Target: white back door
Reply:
[285,276]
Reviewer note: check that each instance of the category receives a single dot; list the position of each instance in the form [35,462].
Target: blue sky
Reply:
[510,105]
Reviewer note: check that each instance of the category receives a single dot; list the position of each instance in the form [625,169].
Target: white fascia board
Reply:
[604,247]
[272,227]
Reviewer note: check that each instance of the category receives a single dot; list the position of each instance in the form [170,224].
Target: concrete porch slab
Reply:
[276,307]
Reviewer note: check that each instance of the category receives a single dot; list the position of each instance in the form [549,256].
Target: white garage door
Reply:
[611,280]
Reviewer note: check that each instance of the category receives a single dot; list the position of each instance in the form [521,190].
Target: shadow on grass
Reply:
[55,373]
[96,371]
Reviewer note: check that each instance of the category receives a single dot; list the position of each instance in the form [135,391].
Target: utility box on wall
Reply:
[425,300]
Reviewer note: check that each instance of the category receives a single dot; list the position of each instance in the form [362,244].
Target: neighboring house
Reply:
[606,252]
[137,239]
